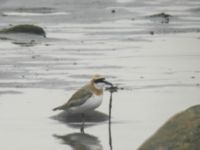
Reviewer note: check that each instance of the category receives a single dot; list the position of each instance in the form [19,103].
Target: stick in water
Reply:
[111,90]
[109,123]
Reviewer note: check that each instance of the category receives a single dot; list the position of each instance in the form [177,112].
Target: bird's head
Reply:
[100,83]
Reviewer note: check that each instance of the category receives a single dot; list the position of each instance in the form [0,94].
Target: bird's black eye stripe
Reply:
[99,80]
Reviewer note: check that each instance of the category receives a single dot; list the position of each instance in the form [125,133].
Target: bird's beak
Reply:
[108,83]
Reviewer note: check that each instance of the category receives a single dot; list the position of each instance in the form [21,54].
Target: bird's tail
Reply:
[57,108]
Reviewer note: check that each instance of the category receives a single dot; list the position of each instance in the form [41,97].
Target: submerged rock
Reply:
[25,28]
[181,132]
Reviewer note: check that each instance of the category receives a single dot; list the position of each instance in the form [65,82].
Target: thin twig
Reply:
[111,90]
[109,123]
[110,106]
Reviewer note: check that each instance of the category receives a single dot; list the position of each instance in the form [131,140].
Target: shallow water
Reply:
[27,123]
[157,64]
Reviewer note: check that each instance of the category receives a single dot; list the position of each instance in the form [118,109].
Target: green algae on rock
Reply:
[25,28]
[181,132]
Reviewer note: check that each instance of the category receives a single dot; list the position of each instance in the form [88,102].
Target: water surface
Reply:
[156,62]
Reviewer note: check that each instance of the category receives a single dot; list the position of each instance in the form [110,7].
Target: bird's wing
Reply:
[79,97]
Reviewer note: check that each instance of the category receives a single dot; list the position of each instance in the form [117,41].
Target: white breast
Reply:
[90,104]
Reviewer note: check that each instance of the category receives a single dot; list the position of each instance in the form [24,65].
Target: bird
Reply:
[87,98]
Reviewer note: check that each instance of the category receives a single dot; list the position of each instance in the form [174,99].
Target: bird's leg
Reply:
[83,122]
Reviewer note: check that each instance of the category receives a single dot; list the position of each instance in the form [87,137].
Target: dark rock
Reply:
[181,132]
[163,15]
[33,57]
[151,32]
[75,63]
[164,18]
[113,11]
[44,10]
[132,19]
[25,28]
[141,77]
[4,38]
[47,44]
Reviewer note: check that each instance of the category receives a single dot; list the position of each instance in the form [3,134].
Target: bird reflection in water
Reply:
[81,141]
[84,141]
